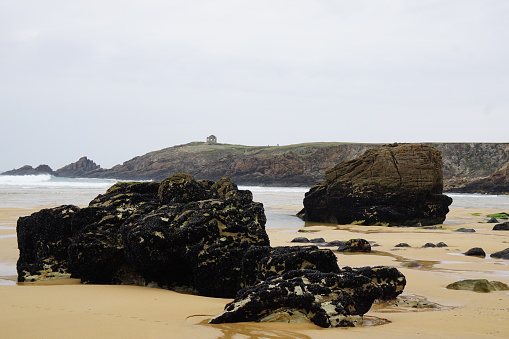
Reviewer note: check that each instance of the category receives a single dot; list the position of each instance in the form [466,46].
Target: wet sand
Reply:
[68,309]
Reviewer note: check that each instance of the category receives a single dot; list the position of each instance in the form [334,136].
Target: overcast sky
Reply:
[115,79]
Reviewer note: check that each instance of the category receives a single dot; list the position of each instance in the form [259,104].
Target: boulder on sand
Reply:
[178,233]
[398,184]
[326,299]
[502,226]
[478,285]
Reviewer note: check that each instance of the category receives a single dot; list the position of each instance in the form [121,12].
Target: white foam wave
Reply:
[22,179]
[49,181]
[471,195]
[267,189]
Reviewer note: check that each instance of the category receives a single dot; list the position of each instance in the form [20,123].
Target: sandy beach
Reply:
[68,309]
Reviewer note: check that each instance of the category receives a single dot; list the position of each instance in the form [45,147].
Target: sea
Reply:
[281,203]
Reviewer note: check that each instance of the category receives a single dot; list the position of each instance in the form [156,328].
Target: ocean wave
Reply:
[272,189]
[49,181]
[472,195]
[20,179]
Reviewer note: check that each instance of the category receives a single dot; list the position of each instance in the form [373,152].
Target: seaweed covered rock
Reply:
[43,239]
[180,232]
[262,263]
[355,245]
[398,184]
[326,299]
[390,280]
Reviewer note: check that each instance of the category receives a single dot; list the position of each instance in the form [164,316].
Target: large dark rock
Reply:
[326,299]
[43,240]
[304,283]
[501,227]
[504,254]
[476,252]
[390,185]
[178,233]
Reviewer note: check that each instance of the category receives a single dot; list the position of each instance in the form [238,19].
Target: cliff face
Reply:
[497,183]
[294,165]
[301,164]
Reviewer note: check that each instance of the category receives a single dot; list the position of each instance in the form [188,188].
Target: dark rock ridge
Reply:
[84,167]
[292,165]
[501,227]
[390,185]
[504,254]
[29,170]
[177,233]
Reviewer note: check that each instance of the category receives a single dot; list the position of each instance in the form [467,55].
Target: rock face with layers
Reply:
[177,233]
[496,183]
[82,167]
[398,184]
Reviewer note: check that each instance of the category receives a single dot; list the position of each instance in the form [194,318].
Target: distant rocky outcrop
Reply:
[29,170]
[496,183]
[391,185]
[84,167]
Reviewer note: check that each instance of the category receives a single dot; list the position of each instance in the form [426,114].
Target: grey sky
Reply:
[117,79]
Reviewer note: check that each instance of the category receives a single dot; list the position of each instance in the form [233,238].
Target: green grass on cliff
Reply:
[196,147]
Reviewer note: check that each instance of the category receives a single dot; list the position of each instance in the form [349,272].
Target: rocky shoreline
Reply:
[467,167]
